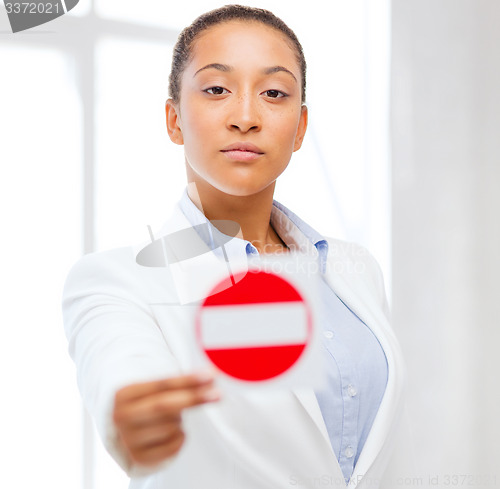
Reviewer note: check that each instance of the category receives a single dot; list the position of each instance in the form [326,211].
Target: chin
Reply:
[241,191]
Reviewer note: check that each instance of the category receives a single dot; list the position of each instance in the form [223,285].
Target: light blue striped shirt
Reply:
[355,362]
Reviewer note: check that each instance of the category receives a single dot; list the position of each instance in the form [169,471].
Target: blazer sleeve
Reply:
[113,338]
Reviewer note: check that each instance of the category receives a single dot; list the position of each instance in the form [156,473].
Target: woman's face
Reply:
[240,115]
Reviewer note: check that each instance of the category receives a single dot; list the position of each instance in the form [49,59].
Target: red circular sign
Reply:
[256,328]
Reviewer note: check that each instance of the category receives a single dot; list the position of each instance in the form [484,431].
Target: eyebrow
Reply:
[265,71]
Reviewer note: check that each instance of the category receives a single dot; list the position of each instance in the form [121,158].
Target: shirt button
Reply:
[351,390]
[328,334]
[349,452]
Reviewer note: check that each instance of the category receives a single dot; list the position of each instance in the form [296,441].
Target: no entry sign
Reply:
[256,328]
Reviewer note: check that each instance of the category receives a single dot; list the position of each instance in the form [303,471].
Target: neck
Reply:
[251,212]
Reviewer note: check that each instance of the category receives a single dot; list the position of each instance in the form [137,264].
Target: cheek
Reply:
[196,128]
[201,138]
[285,128]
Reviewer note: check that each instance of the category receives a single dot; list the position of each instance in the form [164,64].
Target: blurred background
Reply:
[402,155]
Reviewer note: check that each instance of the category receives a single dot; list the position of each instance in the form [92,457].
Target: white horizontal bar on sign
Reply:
[243,326]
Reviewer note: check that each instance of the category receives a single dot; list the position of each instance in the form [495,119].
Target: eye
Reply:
[215,90]
[275,94]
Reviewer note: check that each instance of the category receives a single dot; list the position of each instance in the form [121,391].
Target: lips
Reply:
[249,147]
[242,151]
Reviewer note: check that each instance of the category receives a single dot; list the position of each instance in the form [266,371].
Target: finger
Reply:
[153,455]
[134,423]
[136,391]
[164,405]
[151,436]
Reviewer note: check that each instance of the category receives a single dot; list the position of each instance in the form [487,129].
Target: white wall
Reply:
[446,230]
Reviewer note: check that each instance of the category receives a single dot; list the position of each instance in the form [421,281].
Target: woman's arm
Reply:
[127,375]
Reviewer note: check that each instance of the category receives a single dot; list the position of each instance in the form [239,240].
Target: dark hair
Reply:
[183,47]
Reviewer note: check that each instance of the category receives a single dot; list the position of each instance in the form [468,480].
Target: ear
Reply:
[173,122]
[301,130]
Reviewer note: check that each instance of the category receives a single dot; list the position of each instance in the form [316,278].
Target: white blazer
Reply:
[120,332]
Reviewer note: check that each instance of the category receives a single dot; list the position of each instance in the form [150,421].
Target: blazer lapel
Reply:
[307,398]
[365,306]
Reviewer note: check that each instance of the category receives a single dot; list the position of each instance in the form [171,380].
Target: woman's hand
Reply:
[148,415]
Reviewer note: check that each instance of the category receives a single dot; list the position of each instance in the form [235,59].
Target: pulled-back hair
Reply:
[183,47]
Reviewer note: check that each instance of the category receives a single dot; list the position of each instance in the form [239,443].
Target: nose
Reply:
[245,113]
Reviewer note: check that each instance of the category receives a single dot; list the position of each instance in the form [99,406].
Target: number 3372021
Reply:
[33,8]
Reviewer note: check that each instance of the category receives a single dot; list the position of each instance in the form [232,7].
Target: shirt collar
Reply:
[294,232]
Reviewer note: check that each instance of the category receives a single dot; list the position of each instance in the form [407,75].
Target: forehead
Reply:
[244,43]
